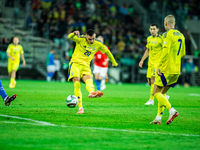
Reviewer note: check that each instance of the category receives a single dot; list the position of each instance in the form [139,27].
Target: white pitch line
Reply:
[39,122]
[42,123]
[20,123]
[194,94]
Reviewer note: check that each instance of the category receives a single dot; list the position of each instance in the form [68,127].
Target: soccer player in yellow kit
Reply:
[168,68]
[154,49]
[14,51]
[79,66]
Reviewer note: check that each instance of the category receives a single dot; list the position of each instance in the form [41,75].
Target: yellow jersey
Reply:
[84,52]
[173,51]
[154,45]
[15,51]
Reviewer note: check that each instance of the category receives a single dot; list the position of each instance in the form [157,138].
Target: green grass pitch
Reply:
[39,119]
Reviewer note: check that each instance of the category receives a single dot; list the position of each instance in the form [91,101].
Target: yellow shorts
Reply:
[151,71]
[78,70]
[13,66]
[166,79]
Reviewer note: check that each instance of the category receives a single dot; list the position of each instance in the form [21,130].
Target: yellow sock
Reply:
[151,93]
[77,92]
[160,109]
[89,85]
[163,101]
[12,80]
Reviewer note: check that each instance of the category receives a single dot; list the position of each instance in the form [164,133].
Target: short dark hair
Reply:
[153,24]
[90,32]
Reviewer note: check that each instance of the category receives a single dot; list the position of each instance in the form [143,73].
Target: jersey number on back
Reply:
[87,53]
[179,40]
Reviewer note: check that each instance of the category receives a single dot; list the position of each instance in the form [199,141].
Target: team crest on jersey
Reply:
[72,73]
[89,48]
[155,42]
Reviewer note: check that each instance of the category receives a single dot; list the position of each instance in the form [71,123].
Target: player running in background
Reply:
[154,49]
[50,65]
[79,66]
[100,68]
[14,51]
[7,99]
[168,68]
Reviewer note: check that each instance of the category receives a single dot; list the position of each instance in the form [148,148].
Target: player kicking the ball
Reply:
[79,66]
[168,68]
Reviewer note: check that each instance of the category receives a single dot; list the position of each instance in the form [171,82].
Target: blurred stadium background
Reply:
[42,25]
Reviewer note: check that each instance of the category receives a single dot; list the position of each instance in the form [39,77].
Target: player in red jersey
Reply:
[100,68]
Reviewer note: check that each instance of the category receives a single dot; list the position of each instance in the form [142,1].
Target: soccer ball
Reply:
[72,101]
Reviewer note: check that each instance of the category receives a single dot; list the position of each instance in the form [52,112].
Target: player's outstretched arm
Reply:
[111,58]
[23,59]
[146,54]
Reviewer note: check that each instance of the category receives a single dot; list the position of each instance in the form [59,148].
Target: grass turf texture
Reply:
[118,120]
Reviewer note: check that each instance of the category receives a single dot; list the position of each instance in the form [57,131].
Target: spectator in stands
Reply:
[32,21]
[121,46]
[71,9]
[46,4]
[90,6]
[4,44]
[55,14]
[188,70]
[53,29]
[124,9]
[35,5]
[112,9]
[46,29]
[62,26]
[62,13]
[44,15]
[197,52]
[40,26]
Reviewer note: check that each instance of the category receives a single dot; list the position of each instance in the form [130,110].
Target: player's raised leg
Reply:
[90,87]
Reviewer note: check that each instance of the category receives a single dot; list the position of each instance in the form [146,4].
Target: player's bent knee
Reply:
[100,78]
[76,79]
[85,77]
